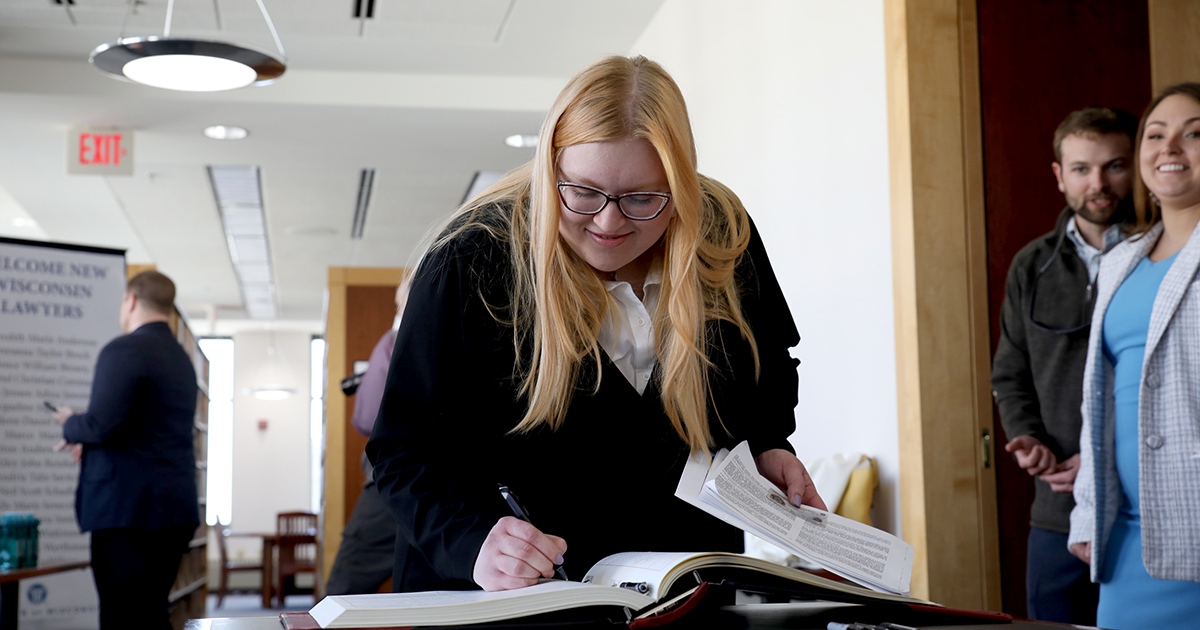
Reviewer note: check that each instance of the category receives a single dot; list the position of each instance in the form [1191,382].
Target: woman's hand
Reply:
[1062,477]
[1083,551]
[516,554]
[784,470]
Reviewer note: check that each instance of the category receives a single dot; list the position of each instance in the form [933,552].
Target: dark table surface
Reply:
[797,615]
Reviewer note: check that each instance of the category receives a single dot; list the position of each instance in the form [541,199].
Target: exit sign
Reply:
[93,151]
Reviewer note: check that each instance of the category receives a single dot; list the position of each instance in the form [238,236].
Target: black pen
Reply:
[519,512]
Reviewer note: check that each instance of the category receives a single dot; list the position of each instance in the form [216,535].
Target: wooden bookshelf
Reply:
[189,594]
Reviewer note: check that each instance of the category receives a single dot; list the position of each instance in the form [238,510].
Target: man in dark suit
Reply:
[137,479]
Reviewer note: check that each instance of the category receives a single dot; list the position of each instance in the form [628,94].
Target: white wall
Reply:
[272,466]
[789,107]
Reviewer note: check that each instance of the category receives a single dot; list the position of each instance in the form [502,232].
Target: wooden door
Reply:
[1038,61]
[361,307]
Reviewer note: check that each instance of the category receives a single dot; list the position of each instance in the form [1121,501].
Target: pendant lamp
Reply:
[275,376]
[190,65]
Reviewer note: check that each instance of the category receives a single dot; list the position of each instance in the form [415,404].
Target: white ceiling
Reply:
[424,92]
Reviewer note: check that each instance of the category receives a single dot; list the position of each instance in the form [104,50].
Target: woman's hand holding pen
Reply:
[516,554]
[786,471]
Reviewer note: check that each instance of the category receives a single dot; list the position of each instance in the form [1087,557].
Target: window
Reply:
[316,420]
[219,497]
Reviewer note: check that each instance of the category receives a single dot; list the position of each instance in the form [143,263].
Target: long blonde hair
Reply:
[559,302]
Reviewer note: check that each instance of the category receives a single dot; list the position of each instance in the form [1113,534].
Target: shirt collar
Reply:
[1112,236]
[653,276]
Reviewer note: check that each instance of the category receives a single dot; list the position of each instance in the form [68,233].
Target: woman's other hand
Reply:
[1083,551]
[516,554]
[787,472]
[1062,477]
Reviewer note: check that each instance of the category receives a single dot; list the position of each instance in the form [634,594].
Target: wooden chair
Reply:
[233,566]
[298,552]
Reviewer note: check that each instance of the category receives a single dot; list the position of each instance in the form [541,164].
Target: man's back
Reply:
[138,467]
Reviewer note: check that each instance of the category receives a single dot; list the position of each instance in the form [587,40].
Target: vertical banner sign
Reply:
[99,151]
[59,305]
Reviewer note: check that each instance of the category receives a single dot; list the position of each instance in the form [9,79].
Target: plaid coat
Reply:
[1168,420]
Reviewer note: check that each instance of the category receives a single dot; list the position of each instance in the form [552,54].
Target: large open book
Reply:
[622,587]
[730,488]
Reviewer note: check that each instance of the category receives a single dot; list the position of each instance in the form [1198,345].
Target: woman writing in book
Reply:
[1137,517]
[575,333]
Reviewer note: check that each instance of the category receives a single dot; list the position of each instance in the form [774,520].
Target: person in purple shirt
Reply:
[364,559]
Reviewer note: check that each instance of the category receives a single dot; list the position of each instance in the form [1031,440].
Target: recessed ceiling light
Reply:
[225,132]
[521,141]
[22,222]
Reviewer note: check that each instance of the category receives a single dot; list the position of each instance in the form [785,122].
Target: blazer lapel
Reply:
[1117,265]
[1174,285]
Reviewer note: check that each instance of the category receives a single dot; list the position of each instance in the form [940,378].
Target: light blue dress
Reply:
[1129,597]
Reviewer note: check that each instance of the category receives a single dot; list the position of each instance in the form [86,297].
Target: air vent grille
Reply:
[366,182]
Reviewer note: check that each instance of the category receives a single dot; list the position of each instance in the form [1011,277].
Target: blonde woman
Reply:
[575,333]
[1137,512]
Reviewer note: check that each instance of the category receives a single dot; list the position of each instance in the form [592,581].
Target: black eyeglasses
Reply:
[639,206]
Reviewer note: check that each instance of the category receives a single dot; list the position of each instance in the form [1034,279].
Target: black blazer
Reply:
[605,481]
[139,463]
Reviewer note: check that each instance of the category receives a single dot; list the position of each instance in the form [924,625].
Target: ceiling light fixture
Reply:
[190,65]
[275,375]
[225,132]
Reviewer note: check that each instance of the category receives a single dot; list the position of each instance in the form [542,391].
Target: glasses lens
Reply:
[580,199]
[642,206]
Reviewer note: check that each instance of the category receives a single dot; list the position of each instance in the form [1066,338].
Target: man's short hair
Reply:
[1095,121]
[154,290]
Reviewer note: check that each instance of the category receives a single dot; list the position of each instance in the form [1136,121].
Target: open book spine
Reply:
[671,610]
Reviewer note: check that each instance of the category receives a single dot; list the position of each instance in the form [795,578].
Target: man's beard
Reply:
[1119,213]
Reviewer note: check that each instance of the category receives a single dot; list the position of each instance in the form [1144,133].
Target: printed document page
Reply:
[734,491]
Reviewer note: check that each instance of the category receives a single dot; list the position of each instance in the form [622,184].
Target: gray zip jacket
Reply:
[1037,371]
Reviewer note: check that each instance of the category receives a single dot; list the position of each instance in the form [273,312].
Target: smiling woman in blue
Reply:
[1137,514]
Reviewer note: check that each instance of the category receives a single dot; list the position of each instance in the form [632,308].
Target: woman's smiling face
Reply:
[609,241]
[1169,157]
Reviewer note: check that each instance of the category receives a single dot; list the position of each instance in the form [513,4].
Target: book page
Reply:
[735,492]
[854,550]
[666,572]
[381,610]
[633,568]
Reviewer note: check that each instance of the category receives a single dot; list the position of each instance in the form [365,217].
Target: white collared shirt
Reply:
[627,334]
[1090,255]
